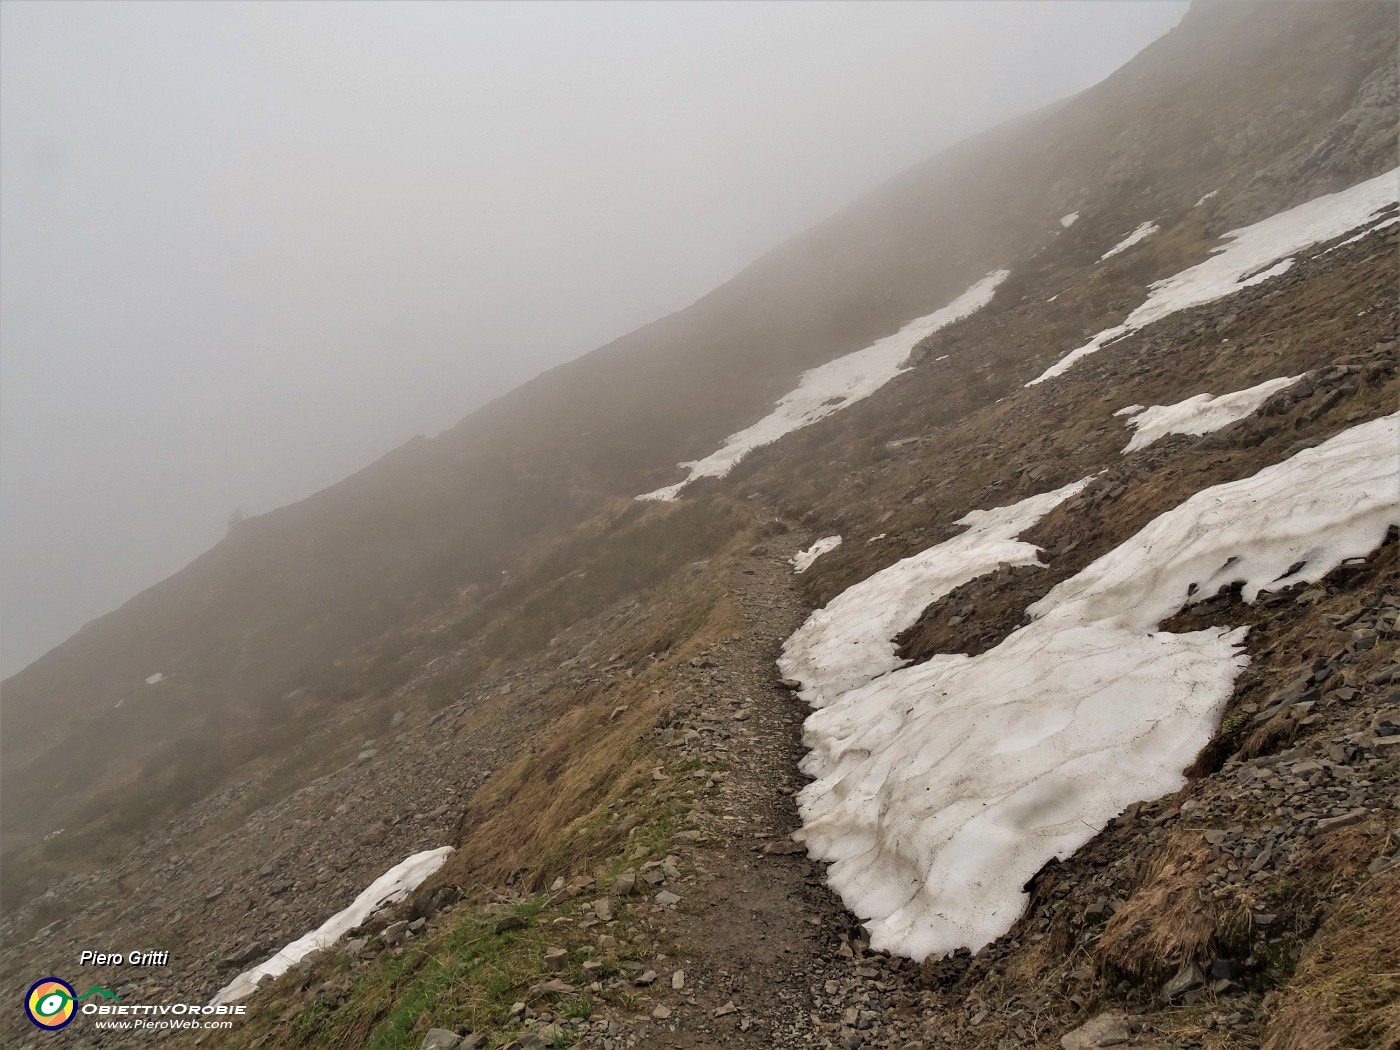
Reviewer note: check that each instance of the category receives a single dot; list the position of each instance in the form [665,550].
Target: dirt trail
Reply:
[768,953]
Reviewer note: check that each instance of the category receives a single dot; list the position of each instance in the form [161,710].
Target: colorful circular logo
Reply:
[50,1003]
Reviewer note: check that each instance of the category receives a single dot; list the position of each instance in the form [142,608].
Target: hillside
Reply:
[484,641]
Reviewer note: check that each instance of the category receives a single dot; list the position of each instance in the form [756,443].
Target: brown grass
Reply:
[1346,993]
[1164,924]
[559,806]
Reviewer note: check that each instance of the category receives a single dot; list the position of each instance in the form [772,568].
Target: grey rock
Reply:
[395,933]
[440,1039]
[1187,979]
[1346,820]
[1109,1029]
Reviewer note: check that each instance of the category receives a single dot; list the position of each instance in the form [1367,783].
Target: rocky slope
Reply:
[259,630]
[604,737]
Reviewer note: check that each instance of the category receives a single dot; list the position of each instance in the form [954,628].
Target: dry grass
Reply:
[1346,993]
[560,806]
[1164,924]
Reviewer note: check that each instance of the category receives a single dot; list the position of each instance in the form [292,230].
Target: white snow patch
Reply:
[1200,414]
[1207,197]
[1236,263]
[831,387]
[1268,273]
[943,787]
[1144,231]
[850,641]
[1364,233]
[802,560]
[876,538]
[153,679]
[1069,220]
[390,888]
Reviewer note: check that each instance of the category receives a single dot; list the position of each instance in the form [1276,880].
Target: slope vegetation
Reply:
[483,641]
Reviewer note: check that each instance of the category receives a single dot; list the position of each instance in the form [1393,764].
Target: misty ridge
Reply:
[248,251]
[685,525]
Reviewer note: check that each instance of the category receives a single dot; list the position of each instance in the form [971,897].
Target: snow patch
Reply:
[802,560]
[1200,414]
[1268,273]
[943,787]
[1144,231]
[850,641]
[1207,197]
[1236,263]
[1069,220]
[390,888]
[833,386]
[1363,234]
[153,679]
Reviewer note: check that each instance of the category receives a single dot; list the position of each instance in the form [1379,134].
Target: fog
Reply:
[245,249]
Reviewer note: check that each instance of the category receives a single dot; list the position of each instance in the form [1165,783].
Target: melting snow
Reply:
[850,641]
[153,679]
[1144,231]
[1237,263]
[1200,414]
[831,387]
[1069,220]
[1364,233]
[1207,197]
[802,560]
[1268,273]
[943,787]
[391,887]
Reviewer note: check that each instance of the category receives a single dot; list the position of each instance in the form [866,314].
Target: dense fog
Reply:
[248,248]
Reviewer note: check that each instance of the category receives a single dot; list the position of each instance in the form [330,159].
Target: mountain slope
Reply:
[1227,96]
[349,680]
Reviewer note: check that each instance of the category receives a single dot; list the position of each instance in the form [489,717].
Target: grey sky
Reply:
[247,248]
